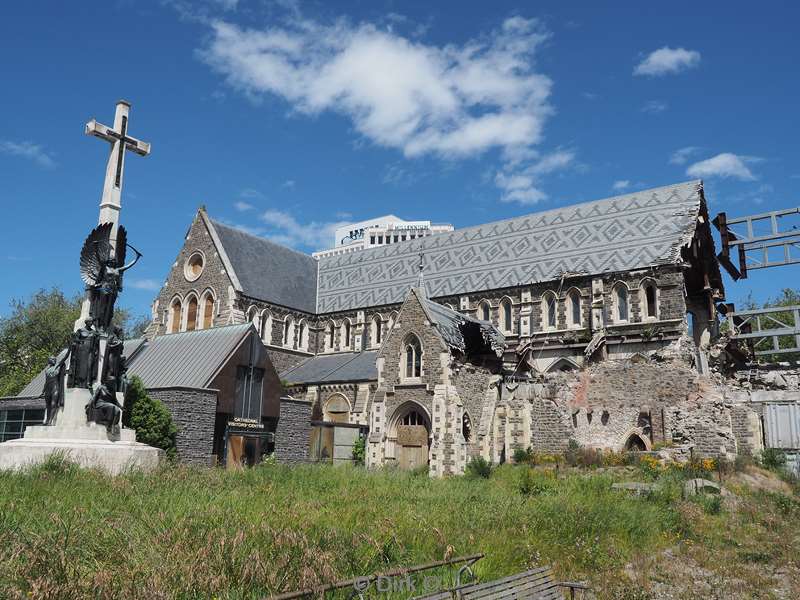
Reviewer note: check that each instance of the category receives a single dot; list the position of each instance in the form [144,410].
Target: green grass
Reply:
[202,533]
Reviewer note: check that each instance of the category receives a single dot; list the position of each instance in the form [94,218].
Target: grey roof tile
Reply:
[269,271]
[346,366]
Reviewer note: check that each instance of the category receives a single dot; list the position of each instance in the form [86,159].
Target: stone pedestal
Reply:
[87,444]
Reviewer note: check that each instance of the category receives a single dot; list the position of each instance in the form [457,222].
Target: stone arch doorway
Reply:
[411,431]
[635,443]
[336,409]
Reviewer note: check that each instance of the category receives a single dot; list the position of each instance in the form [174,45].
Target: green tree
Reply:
[38,328]
[35,330]
[149,418]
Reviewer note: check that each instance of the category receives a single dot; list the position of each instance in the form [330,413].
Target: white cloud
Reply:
[655,107]
[621,184]
[250,193]
[681,156]
[522,185]
[723,165]
[289,183]
[27,150]
[243,206]
[151,285]
[283,228]
[451,101]
[666,60]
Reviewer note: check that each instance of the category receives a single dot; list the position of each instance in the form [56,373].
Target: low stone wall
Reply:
[294,431]
[193,411]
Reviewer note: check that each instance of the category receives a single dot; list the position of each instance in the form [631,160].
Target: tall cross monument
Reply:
[120,141]
[111,201]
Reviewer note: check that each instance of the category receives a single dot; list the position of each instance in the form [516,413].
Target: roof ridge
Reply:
[468,228]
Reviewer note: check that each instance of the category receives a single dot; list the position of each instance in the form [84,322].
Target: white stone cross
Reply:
[118,137]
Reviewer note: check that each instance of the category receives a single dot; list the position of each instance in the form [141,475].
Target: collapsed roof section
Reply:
[463,334]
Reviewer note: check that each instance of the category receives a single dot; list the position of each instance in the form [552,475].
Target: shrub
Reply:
[530,485]
[360,450]
[773,458]
[149,418]
[523,456]
[479,467]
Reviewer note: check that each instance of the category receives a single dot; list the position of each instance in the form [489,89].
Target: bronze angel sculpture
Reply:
[102,267]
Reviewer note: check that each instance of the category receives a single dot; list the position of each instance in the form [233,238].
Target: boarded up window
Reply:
[191,314]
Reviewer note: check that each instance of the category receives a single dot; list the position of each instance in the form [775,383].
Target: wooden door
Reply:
[412,441]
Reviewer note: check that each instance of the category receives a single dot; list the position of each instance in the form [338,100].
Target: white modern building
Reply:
[380,231]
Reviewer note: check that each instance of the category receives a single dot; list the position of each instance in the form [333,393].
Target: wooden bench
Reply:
[536,584]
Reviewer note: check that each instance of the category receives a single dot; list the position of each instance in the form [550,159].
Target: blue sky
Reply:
[288,118]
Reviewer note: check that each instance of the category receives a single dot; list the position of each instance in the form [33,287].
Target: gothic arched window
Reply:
[484,311]
[191,313]
[649,298]
[302,336]
[412,362]
[330,337]
[507,324]
[376,333]
[621,302]
[207,319]
[266,327]
[549,306]
[574,308]
[288,332]
[175,310]
[466,427]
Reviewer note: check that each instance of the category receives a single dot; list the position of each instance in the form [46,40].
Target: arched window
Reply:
[266,327]
[621,303]
[337,409]
[413,417]
[649,299]
[412,363]
[392,321]
[330,335]
[466,427]
[549,311]
[175,316]
[191,313]
[506,323]
[288,332]
[252,316]
[484,311]
[207,320]
[574,308]
[302,335]
[375,333]
[345,342]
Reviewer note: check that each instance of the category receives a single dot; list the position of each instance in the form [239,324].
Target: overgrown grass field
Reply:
[211,533]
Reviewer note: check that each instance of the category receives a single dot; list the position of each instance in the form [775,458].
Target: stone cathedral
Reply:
[592,324]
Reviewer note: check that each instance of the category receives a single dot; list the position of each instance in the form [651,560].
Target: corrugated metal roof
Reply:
[782,425]
[188,359]
[269,271]
[36,386]
[347,366]
[621,233]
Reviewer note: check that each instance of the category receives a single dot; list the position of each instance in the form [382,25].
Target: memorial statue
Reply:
[83,355]
[103,408]
[54,385]
[112,365]
[102,268]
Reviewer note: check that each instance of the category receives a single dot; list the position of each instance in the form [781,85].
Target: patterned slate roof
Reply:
[188,359]
[348,366]
[621,233]
[269,271]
